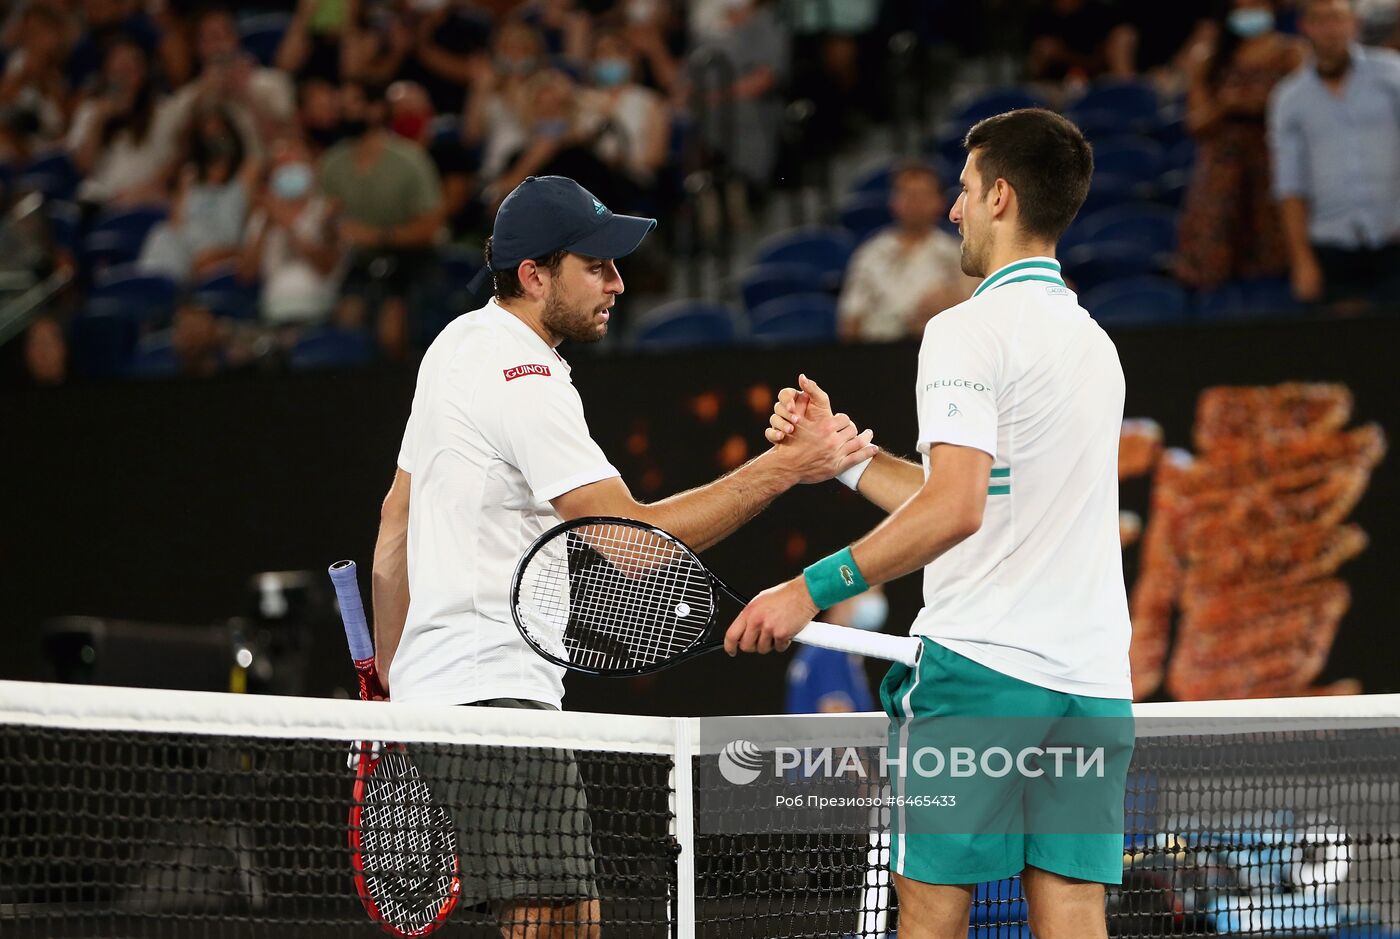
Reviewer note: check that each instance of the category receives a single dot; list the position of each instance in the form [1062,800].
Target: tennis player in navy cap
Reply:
[496,451]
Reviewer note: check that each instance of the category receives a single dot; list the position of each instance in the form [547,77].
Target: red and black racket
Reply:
[403,848]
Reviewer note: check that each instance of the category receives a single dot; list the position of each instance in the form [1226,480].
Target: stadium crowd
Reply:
[311,183]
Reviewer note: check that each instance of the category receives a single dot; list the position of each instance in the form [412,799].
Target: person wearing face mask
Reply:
[1230,227]
[495,117]
[826,681]
[411,116]
[630,123]
[292,249]
[388,197]
[205,226]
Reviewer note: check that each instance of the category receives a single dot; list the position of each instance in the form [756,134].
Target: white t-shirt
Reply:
[1022,373]
[496,431]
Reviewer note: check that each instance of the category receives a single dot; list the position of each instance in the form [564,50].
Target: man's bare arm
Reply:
[890,481]
[701,517]
[390,579]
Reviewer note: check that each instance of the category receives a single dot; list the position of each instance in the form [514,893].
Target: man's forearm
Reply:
[701,517]
[889,481]
[1294,211]
[919,531]
[390,590]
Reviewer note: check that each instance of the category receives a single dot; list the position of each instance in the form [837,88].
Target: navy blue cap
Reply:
[545,214]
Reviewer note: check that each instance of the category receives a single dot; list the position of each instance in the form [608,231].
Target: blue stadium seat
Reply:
[459,267]
[1137,158]
[1171,188]
[1096,124]
[1152,228]
[1135,104]
[1181,155]
[686,324]
[65,218]
[995,102]
[102,340]
[1088,266]
[1107,191]
[116,237]
[827,250]
[875,180]
[445,127]
[52,174]
[804,317]
[1256,299]
[764,282]
[262,35]
[327,347]
[154,357]
[146,296]
[1137,300]
[863,216]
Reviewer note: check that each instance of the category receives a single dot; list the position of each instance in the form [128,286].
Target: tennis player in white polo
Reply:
[496,451]
[1013,517]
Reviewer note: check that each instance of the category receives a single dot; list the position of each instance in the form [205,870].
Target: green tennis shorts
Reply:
[523,829]
[989,773]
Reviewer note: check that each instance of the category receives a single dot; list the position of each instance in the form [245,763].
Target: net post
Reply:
[683,807]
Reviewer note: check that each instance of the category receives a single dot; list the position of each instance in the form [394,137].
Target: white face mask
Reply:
[869,611]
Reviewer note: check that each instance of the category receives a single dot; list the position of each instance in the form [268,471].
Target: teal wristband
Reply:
[834,578]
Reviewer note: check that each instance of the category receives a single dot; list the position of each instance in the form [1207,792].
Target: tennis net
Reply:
[128,812]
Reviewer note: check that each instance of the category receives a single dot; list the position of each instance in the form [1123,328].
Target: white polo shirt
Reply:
[1021,372]
[496,431]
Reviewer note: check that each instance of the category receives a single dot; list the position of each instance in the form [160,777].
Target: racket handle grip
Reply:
[904,649]
[352,612]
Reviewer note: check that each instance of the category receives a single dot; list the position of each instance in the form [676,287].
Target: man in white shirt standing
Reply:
[1013,517]
[497,451]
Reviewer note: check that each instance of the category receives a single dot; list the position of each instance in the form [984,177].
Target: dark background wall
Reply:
[157,502]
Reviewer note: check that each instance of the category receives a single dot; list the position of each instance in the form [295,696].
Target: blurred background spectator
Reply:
[388,200]
[292,251]
[45,353]
[210,206]
[34,90]
[1078,40]
[1335,130]
[630,124]
[899,279]
[1230,224]
[125,132]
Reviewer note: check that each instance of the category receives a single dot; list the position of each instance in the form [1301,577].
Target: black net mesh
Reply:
[119,833]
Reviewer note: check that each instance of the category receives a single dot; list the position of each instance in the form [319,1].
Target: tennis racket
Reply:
[613,596]
[403,849]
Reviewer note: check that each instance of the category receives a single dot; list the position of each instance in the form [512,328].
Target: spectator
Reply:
[389,199]
[754,45]
[826,62]
[261,100]
[654,37]
[34,89]
[318,112]
[495,117]
[448,44]
[205,227]
[559,144]
[1335,133]
[124,134]
[292,249]
[1230,225]
[1077,40]
[903,276]
[630,124]
[411,117]
[45,353]
[105,21]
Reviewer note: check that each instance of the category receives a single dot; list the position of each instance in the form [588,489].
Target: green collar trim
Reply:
[1044,269]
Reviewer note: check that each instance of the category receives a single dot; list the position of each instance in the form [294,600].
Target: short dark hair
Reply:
[507,284]
[916,167]
[1046,160]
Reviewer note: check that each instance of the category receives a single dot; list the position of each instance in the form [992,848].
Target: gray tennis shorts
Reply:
[523,830]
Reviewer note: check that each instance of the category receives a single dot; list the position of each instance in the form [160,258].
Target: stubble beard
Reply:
[570,323]
[971,261]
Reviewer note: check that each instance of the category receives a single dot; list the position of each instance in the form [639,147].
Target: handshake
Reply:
[813,443]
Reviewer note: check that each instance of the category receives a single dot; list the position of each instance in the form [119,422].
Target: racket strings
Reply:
[615,596]
[407,846]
